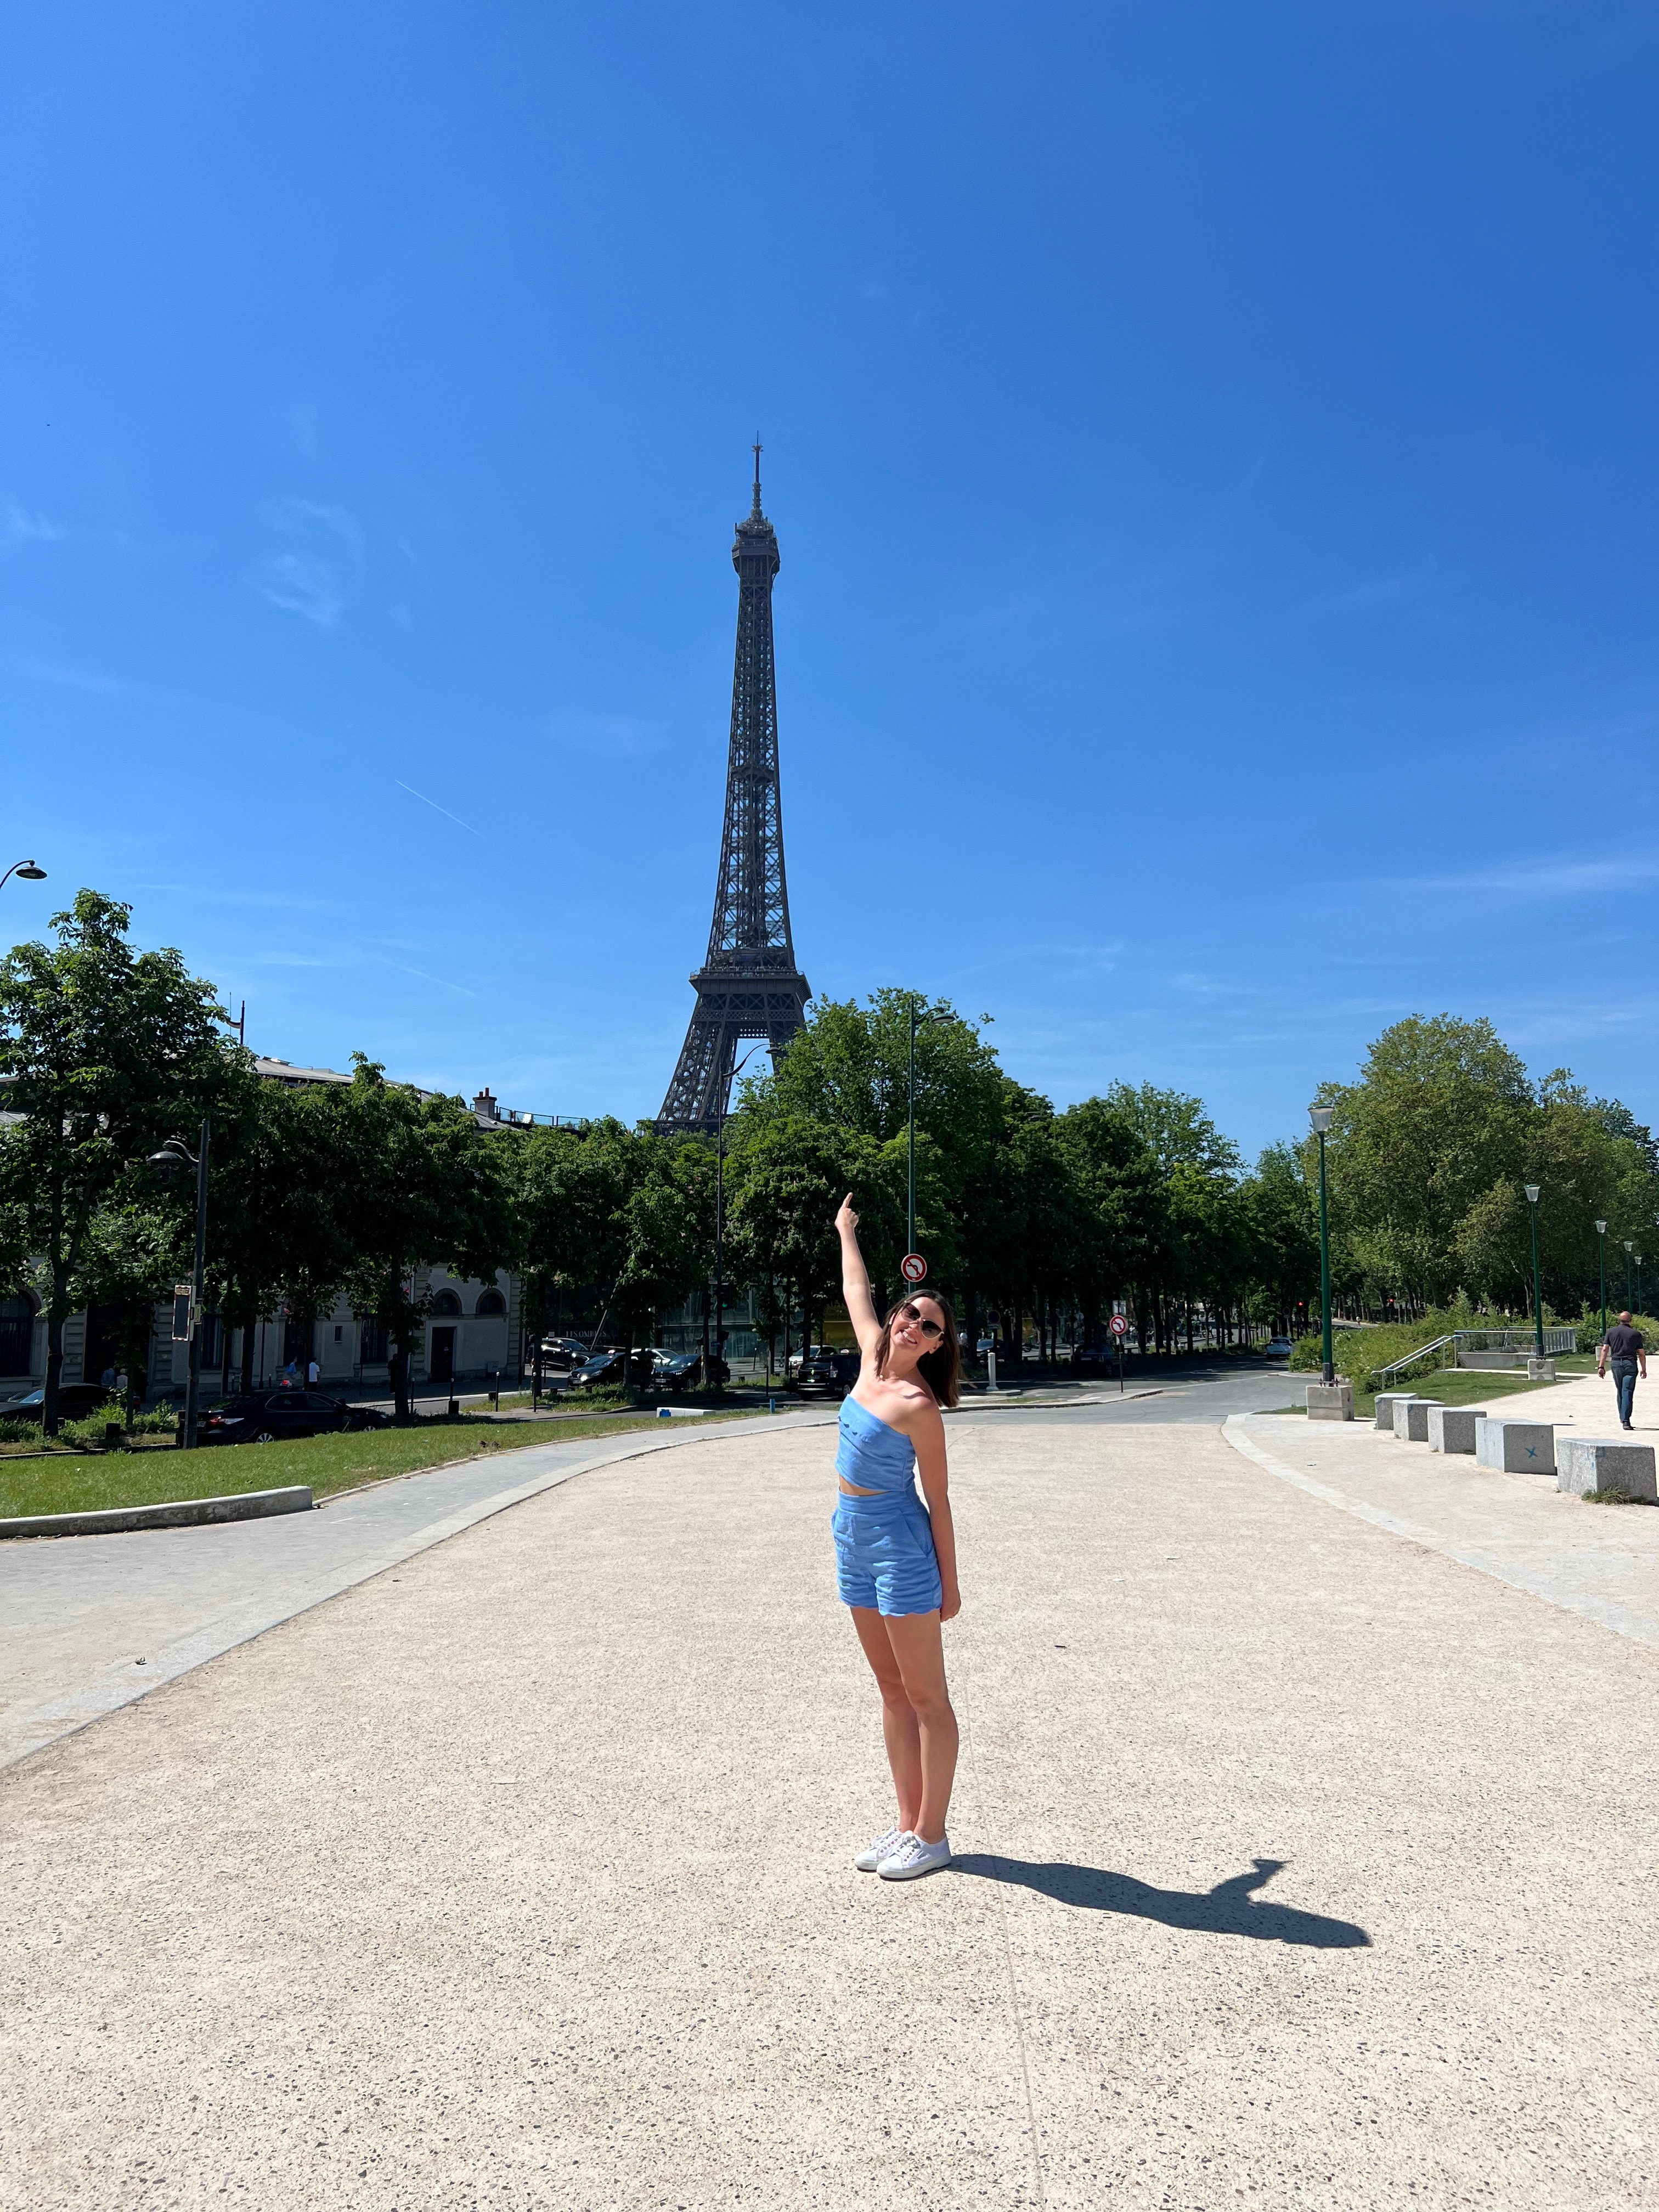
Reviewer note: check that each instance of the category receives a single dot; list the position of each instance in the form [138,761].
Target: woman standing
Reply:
[895,1558]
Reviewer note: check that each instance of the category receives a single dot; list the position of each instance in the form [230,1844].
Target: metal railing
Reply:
[1557,1337]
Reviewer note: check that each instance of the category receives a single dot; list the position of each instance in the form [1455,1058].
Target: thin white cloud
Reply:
[1373,592]
[1540,879]
[72,679]
[300,516]
[612,737]
[293,428]
[303,585]
[18,527]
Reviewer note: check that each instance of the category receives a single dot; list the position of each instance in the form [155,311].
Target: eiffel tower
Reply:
[749,985]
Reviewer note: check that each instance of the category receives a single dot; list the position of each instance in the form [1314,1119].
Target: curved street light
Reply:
[719,1226]
[1322,1118]
[1630,1246]
[1532,1190]
[1602,1259]
[176,1153]
[27,870]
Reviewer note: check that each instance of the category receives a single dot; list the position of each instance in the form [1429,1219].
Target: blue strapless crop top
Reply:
[870,1454]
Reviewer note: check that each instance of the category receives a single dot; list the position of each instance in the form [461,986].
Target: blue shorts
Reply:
[884,1555]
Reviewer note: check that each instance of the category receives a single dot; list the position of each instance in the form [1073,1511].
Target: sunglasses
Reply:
[928,1328]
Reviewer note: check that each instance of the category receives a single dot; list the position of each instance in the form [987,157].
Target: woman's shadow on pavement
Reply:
[1228,1909]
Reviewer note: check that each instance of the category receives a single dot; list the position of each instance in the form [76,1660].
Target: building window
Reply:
[16,1335]
[445,1303]
[212,1340]
[491,1302]
[376,1347]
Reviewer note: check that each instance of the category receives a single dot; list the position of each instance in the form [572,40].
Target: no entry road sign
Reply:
[914,1267]
[1118,1325]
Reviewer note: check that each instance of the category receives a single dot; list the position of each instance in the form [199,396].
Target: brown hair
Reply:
[941,1369]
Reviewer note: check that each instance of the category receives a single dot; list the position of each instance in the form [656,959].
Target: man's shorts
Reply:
[884,1555]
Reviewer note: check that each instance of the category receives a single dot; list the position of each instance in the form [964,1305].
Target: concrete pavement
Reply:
[1300,1866]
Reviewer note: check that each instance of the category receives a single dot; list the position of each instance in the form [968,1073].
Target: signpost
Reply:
[1118,1325]
[914,1267]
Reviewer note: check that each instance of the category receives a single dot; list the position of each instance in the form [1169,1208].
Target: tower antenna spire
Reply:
[749,985]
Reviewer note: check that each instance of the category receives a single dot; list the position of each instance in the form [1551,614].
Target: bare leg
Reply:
[898,1719]
[920,1651]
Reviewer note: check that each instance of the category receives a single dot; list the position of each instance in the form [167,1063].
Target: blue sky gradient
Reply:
[1211,450]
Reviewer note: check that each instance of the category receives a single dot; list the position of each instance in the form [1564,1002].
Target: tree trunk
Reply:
[56,1317]
[250,1338]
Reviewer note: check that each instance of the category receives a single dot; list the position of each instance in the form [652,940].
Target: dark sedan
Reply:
[272,1417]
[683,1370]
[76,1400]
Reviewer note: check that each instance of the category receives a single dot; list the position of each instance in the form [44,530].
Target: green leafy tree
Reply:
[104,1052]
[419,1184]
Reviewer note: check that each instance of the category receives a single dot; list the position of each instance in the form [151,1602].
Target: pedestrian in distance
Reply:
[895,1558]
[1624,1349]
[313,1374]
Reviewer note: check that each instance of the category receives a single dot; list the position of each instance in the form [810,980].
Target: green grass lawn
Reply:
[1460,1386]
[327,1464]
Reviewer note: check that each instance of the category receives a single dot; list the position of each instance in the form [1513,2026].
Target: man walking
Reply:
[1624,1351]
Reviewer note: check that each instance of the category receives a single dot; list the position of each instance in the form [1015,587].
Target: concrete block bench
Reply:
[1451,1428]
[1411,1420]
[1515,1447]
[1588,1463]
[1386,1402]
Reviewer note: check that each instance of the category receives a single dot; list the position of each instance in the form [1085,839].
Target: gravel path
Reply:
[1300,1865]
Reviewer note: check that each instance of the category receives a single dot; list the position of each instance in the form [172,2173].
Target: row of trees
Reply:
[1024,1213]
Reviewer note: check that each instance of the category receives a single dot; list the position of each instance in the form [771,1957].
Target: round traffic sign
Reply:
[1118,1325]
[914,1267]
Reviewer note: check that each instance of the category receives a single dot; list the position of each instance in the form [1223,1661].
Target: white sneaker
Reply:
[883,1847]
[911,1857]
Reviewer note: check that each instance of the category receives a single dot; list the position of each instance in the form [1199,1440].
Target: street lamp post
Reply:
[1639,1282]
[175,1153]
[1532,1190]
[917,1021]
[25,869]
[1322,1117]
[1602,1262]
[720,1217]
[1629,1249]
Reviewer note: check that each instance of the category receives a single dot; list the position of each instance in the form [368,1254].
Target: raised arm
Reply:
[855,1279]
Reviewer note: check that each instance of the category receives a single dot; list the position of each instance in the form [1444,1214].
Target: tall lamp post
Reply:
[26,871]
[1322,1117]
[1629,1249]
[719,1218]
[1639,1282]
[1602,1262]
[1532,1190]
[917,1021]
[175,1153]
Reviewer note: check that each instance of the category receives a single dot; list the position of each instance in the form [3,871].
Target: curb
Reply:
[179,1513]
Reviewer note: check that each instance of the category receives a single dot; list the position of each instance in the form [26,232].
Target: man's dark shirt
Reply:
[1623,1343]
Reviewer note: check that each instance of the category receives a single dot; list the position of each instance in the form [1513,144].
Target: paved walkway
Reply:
[1598,1560]
[1300,1866]
[88,1624]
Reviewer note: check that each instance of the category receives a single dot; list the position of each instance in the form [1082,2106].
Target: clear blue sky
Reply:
[1211,448]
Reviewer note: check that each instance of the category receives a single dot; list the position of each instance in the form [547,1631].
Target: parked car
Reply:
[606,1368]
[269,1416]
[1095,1359]
[678,1371]
[1278,1348]
[563,1354]
[74,1401]
[808,1355]
[826,1367]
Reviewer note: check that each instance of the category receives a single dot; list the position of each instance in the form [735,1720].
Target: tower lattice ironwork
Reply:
[749,985]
